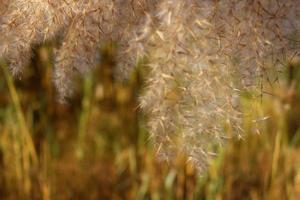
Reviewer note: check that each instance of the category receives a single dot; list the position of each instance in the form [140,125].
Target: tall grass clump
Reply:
[200,56]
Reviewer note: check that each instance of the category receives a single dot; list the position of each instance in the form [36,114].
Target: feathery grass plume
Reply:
[82,25]
[201,54]
[187,97]
[100,23]
[25,23]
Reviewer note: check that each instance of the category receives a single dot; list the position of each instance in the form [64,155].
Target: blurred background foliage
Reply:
[97,147]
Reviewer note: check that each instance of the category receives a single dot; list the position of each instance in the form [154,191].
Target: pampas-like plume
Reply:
[201,54]
[83,25]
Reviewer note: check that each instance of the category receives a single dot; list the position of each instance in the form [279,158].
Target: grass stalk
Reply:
[29,146]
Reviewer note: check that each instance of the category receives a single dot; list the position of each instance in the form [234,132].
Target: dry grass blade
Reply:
[25,133]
